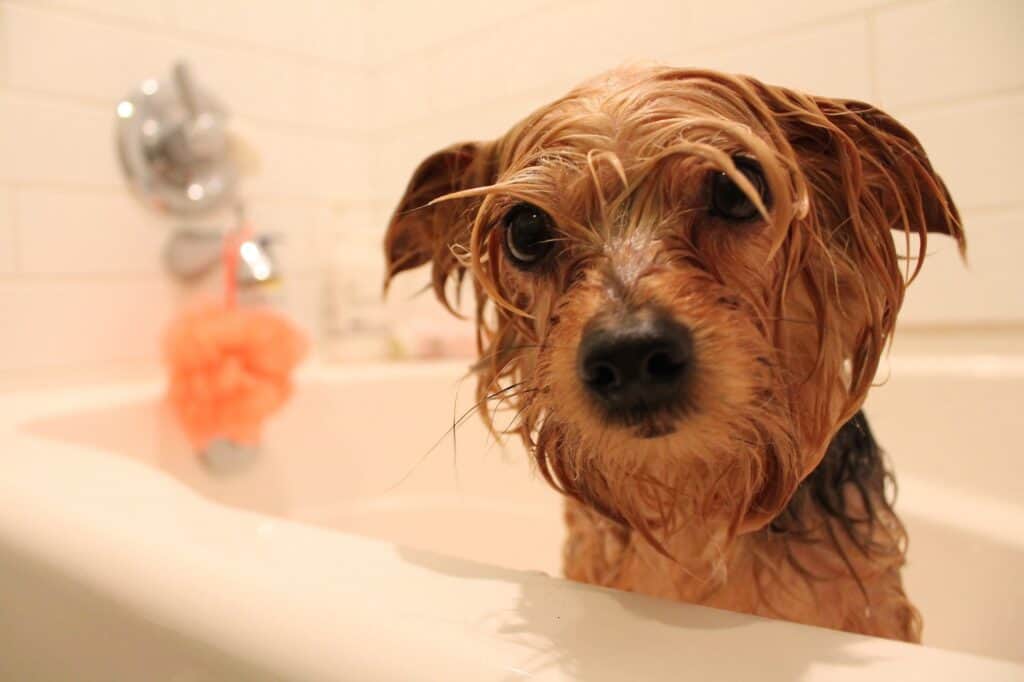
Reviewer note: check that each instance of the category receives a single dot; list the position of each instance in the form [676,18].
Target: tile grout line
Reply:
[868,15]
[939,103]
[903,110]
[707,50]
[375,69]
[988,210]
[794,28]
[101,105]
[12,216]
[170,28]
[89,277]
[112,191]
[375,134]
[871,35]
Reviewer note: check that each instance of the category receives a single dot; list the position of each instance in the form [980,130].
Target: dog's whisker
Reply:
[496,433]
[491,442]
[453,429]
[450,431]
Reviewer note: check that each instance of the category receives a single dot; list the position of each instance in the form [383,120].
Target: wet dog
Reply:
[684,283]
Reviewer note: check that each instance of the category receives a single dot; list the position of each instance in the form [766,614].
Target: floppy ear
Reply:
[869,179]
[889,167]
[900,151]
[419,232]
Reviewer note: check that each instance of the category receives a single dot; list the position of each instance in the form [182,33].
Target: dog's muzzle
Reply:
[636,364]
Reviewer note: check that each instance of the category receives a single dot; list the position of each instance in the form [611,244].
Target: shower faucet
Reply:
[172,141]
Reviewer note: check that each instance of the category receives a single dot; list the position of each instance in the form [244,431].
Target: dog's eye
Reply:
[729,201]
[528,234]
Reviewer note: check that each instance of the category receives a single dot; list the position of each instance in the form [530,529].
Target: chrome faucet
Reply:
[191,253]
[172,140]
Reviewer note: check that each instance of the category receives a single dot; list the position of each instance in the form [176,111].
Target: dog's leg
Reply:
[893,615]
[595,547]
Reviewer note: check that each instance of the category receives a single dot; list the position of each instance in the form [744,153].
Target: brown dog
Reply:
[684,283]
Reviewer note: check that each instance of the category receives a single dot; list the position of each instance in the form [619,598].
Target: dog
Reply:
[684,283]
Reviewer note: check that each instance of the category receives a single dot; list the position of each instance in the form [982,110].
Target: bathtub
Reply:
[364,542]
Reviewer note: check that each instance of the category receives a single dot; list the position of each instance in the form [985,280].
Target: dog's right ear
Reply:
[419,232]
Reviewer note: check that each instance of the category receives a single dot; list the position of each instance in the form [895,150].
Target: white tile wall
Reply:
[255,83]
[976,145]
[137,11]
[8,237]
[86,232]
[396,153]
[75,322]
[330,30]
[301,298]
[340,101]
[941,49]
[96,69]
[54,141]
[283,89]
[987,289]
[561,43]
[825,59]
[80,274]
[398,28]
[303,163]
[738,21]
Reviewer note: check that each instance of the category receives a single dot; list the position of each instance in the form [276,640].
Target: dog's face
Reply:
[688,278]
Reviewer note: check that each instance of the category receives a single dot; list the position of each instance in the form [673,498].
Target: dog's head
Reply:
[687,277]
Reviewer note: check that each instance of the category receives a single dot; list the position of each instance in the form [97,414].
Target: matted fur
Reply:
[789,315]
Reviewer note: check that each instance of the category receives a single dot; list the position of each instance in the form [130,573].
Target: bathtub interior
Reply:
[371,452]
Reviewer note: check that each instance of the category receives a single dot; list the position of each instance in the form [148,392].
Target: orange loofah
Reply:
[230,369]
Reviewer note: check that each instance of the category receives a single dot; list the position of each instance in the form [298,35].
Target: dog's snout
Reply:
[635,364]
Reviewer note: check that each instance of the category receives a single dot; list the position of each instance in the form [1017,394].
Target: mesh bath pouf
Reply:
[230,367]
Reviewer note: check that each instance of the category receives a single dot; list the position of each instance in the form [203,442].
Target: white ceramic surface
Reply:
[350,550]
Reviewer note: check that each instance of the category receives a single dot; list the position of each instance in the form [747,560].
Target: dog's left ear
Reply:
[421,232]
[870,180]
[886,164]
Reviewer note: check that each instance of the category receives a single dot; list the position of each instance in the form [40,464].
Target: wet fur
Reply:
[764,493]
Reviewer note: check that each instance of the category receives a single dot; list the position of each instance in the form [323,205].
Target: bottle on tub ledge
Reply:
[355,328]
[435,337]
[361,328]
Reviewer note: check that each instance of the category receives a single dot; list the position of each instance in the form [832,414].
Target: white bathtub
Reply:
[346,552]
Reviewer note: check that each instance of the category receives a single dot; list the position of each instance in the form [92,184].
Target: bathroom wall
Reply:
[342,99]
[81,283]
[952,70]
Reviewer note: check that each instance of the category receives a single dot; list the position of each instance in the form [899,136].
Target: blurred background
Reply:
[335,102]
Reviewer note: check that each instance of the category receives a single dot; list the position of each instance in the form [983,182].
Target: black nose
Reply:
[635,364]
